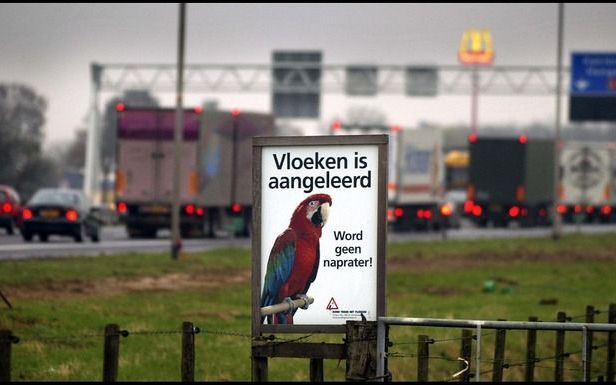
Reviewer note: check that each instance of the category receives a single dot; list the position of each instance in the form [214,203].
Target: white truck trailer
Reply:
[586,189]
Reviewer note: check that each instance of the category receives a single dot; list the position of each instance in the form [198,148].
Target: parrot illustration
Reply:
[294,259]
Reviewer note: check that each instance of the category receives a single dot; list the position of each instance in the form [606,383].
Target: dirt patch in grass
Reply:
[442,291]
[115,286]
[420,263]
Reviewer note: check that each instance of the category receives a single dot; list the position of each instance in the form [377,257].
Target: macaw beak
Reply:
[324,210]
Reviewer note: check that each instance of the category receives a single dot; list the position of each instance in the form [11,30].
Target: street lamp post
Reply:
[176,241]
[556,233]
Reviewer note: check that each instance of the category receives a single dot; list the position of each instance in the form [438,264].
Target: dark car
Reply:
[10,208]
[60,212]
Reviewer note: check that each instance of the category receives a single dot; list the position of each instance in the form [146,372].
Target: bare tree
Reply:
[22,118]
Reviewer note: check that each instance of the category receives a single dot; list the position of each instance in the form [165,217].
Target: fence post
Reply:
[6,339]
[423,357]
[531,352]
[465,353]
[316,370]
[590,318]
[259,369]
[111,353]
[560,349]
[188,352]
[361,350]
[611,345]
[499,355]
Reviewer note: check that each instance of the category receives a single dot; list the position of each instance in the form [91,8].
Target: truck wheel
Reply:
[44,237]
[26,235]
[78,236]
[133,232]
[9,229]
[95,237]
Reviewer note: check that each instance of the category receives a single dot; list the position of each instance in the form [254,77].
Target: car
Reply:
[10,208]
[59,211]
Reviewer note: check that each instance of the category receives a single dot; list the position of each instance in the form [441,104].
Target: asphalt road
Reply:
[114,240]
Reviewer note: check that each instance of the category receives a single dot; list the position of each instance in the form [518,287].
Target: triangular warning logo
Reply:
[332,305]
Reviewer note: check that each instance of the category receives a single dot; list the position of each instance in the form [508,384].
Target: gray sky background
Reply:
[50,47]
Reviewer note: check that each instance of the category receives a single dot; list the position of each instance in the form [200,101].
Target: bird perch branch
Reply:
[286,306]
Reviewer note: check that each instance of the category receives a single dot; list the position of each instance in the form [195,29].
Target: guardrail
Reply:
[478,325]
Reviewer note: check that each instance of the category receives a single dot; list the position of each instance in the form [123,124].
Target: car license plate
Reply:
[50,213]
[154,209]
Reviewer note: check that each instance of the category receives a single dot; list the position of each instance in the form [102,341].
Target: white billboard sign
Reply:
[321,217]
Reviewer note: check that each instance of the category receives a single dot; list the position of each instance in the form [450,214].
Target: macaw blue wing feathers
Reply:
[279,266]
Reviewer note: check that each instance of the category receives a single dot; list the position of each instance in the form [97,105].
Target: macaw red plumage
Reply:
[294,259]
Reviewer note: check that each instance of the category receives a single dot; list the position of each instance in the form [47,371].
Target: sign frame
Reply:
[259,143]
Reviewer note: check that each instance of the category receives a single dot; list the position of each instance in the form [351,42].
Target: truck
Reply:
[456,169]
[415,186]
[145,169]
[416,180]
[511,179]
[225,168]
[216,170]
[585,191]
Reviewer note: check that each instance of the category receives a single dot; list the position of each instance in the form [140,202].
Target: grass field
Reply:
[61,306]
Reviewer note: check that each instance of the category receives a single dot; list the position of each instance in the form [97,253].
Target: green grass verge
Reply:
[61,332]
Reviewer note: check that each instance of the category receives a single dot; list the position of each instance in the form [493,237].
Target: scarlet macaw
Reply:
[294,259]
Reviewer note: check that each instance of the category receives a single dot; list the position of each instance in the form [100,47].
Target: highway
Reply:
[115,241]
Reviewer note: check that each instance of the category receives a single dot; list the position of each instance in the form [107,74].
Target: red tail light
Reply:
[477,210]
[120,107]
[472,138]
[236,208]
[200,211]
[198,109]
[7,207]
[398,212]
[468,206]
[336,125]
[189,209]
[424,214]
[71,215]
[606,210]
[396,128]
[577,209]
[235,112]
[514,211]
[523,139]
[562,209]
[122,207]
[26,214]
[590,209]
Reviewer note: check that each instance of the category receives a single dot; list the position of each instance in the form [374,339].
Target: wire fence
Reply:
[452,367]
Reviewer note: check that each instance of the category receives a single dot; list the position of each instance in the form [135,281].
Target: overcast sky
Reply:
[50,47]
